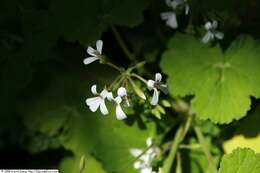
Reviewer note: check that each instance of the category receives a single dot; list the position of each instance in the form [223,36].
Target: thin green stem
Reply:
[122,44]
[114,66]
[174,148]
[139,77]
[178,138]
[205,149]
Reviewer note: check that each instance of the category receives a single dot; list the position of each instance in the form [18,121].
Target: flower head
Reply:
[156,86]
[99,101]
[212,32]
[170,16]
[95,54]
[143,164]
[121,92]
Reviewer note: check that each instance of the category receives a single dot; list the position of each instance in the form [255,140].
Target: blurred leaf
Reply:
[85,20]
[60,111]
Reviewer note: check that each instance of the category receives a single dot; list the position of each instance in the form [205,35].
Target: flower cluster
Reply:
[212,32]
[170,16]
[99,99]
[144,162]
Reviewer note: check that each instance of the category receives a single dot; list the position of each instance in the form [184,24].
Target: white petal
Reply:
[94,105]
[121,92]
[155,98]
[91,51]
[93,100]
[164,88]
[110,96]
[89,60]
[172,21]
[120,115]
[137,164]
[104,93]
[99,45]
[208,26]
[207,37]
[214,24]
[118,100]
[146,170]
[94,89]
[158,77]
[187,9]
[219,35]
[150,84]
[168,2]
[135,152]
[166,15]
[103,107]
[149,141]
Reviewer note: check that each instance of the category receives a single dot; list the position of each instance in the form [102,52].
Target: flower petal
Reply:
[214,24]
[99,45]
[103,107]
[166,15]
[93,106]
[172,21]
[94,89]
[104,93]
[207,37]
[110,96]
[121,92]
[158,77]
[120,115]
[150,84]
[93,100]
[149,141]
[164,88]
[135,152]
[219,35]
[146,170]
[118,100]
[91,51]
[155,98]
[187,9]
[138,165]
[208,26]
[89,60]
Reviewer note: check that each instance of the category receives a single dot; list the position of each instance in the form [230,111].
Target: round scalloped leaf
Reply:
[85,20]
[221,83]
[240,161]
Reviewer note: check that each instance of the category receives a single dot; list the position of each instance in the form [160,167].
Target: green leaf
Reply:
[221,83]
[240,161]
[85,20]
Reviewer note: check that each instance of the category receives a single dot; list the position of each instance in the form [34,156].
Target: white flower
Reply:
[170,17]
[156,85]
[99,101]
[212,32]
[121,92]
[143,164]
[95,54]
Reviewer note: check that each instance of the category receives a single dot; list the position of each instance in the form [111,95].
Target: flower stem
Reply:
[139,77]
[174,148]
[178,138]
[205,149]
[114,66]
[122,44]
